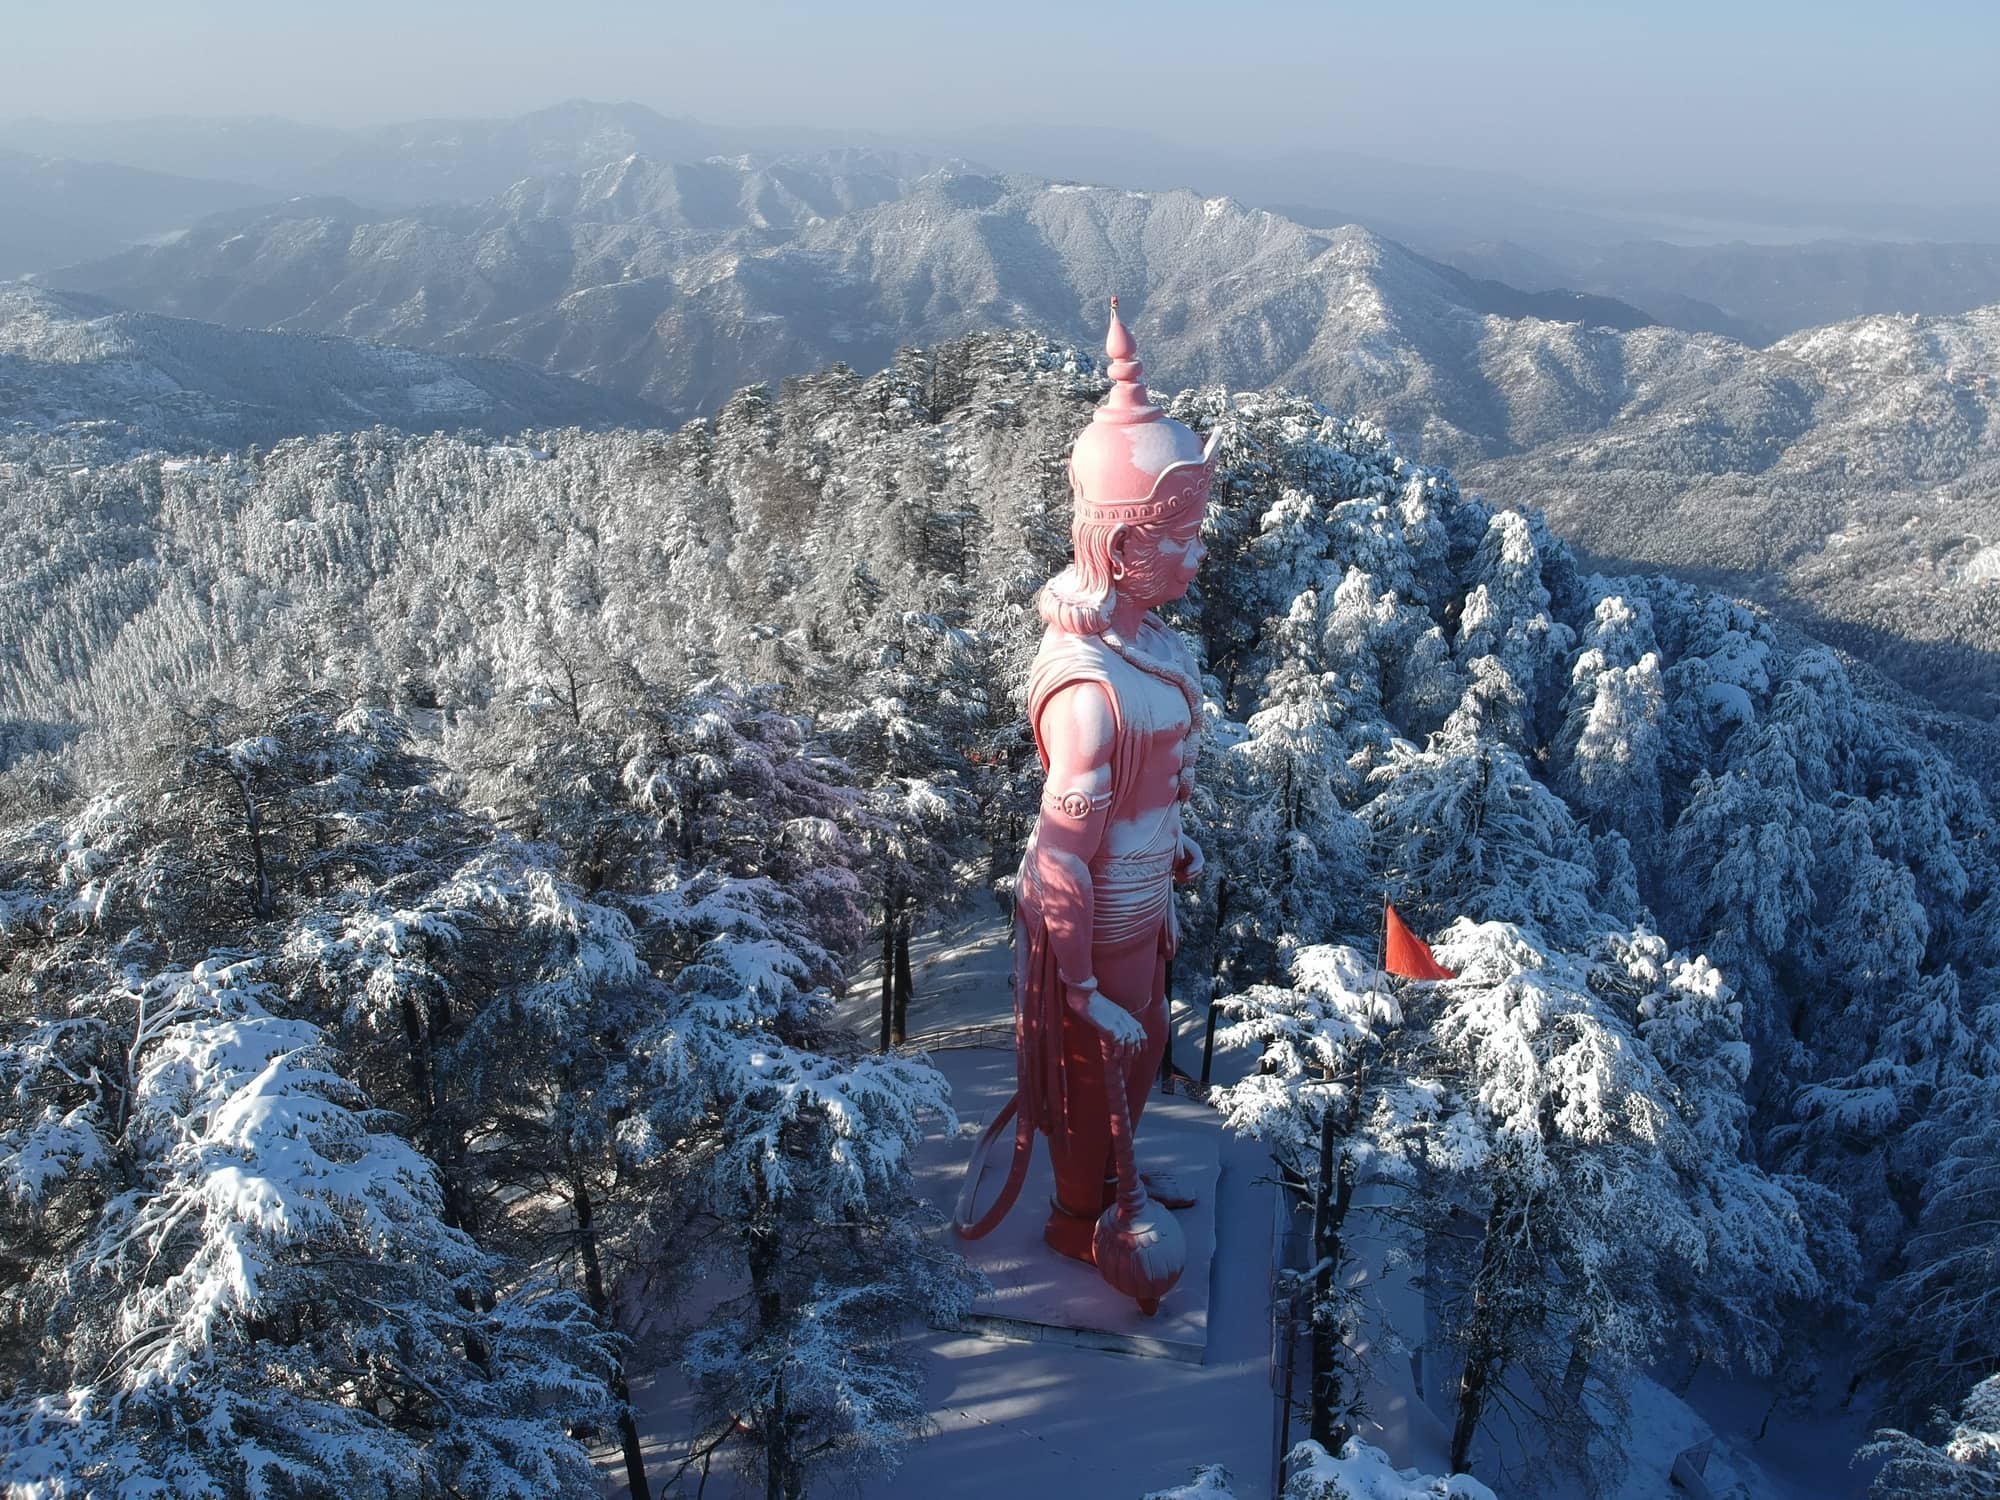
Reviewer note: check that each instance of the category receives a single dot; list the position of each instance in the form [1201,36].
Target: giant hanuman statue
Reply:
[1116,707]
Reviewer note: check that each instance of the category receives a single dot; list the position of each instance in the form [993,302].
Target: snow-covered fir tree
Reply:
[727,686]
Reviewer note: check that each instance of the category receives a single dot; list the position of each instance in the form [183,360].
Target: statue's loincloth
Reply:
[1131,895]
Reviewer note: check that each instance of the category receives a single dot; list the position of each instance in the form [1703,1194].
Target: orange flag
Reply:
[1407,954]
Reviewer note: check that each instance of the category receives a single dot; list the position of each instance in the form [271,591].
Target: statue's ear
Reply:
[1120,535]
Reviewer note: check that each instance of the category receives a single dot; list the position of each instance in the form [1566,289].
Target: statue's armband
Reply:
[1075,803]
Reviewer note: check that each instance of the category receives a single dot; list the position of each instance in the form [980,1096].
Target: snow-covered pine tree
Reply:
[1964,1466]
[918,712]
[795,1162]
[250,1289]
[1936,1329]
[1614,736]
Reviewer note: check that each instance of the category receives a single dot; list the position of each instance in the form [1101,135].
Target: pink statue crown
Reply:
[1135,464]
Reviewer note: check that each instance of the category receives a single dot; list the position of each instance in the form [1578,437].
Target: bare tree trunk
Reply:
[1686,1381]
[253,826]
[903,982]
[1484,1358]
[1336,1188]
[1325,1337]
[777,1460]
[446,1148]
[1218,976]
[1577,1371]
[888,970]
[781,1482]
[600,1303]
[418,1047]
[1472,1383]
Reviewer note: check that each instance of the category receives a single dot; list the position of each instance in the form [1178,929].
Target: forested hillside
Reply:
[1846,475]
[538,793]
[109,382]
[1841,475]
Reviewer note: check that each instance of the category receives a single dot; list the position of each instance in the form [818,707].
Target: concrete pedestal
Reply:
[1040,1296]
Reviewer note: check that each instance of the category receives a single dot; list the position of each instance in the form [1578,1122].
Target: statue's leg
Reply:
[1139,1081]
[1146,1067]
[1081,1154]
[1134,976]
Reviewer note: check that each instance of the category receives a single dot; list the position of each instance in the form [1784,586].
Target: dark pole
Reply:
[1290,1342]
[1208,1045]
[1167,1055]
[1325,1332]
[888,967]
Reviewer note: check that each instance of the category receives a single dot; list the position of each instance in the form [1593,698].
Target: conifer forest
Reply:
[430,865]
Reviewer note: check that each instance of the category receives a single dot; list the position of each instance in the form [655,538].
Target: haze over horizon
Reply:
[1839,103]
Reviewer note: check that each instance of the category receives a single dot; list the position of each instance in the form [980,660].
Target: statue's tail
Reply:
[976,1170]
[1038,1101]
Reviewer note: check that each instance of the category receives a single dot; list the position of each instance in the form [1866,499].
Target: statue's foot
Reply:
[1165,1189]
[1070,1234]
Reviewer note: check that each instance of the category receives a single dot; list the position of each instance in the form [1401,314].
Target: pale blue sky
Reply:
[1861,100]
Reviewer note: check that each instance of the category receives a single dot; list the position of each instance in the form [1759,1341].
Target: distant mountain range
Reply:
[1757,293]
[1857,454]
[54,211]
[111,380]
[400,165]
[671,282]
[1678,257]
[679,283]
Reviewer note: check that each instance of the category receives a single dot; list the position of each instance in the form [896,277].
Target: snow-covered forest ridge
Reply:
[426,862]
[1843,473]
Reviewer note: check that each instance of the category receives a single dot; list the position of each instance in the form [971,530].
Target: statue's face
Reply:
[1157,565]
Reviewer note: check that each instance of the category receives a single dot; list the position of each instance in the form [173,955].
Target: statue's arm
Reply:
[1078,731]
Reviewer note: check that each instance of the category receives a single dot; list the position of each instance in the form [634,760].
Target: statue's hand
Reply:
[1187,862]
[1122,1032]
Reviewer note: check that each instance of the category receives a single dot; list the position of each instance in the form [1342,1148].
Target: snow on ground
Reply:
[1392,1323]
[1041,1418]
[1053,1420]
[1801,1456]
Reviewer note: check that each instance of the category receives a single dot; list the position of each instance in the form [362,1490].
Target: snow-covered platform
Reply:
[1039,1296]
[1056,1415]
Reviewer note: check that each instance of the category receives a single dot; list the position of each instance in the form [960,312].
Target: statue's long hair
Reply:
[1081,598]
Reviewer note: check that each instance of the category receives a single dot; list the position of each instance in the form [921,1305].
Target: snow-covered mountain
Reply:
[1781,470]
[54,211]
[681,283]
[113,379]
[627,274]
[1849,472]
[403,164]
[1759,292]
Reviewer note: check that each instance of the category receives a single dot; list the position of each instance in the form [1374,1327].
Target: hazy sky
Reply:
[1826,97]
